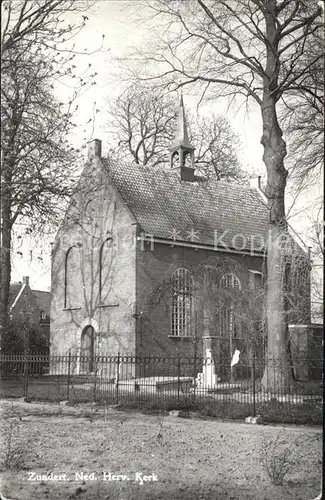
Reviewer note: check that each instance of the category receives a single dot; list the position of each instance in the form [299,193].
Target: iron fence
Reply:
[279,393]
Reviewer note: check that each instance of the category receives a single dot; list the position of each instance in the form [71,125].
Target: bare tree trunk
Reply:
[5,254]
[277,375]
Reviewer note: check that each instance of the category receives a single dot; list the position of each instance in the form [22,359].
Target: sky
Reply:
[116,20]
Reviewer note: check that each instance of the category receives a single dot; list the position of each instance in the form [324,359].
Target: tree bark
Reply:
[278,374]
[5,252]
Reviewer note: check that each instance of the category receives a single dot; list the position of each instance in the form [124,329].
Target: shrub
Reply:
[276,459]
[16,445]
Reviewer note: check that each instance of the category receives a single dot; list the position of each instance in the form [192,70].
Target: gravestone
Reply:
[207,378]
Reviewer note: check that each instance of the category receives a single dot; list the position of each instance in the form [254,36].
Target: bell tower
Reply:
[181,150]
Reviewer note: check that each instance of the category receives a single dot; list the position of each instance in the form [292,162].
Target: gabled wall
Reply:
[96,215]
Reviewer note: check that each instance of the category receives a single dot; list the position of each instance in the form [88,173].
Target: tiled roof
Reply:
[200,212]
[43,300]
[13,292]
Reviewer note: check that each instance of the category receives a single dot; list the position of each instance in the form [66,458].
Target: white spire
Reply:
[181,136]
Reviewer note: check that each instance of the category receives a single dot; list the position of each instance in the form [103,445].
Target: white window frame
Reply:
[234,281]
[252,279]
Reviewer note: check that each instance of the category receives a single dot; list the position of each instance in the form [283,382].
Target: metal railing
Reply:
[253,386]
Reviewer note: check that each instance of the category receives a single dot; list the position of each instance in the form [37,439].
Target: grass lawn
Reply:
[192,459]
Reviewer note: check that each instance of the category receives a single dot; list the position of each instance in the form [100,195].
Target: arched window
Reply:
[73,217]
[230,281]
[42,315]
[67,276]
[255,280]
[228,317]
[88,207]
[182,303]
[90,212]
[175,159]
[72,277]
[188,159]
[87,350]
[105,267]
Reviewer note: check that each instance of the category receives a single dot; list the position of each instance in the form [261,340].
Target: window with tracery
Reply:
[230,281]
[182,303]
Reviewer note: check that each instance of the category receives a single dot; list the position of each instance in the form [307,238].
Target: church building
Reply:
[160,262]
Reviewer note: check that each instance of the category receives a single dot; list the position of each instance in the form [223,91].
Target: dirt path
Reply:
[181,458]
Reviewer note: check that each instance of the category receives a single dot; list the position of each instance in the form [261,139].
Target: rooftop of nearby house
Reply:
[43,298]
[13,292]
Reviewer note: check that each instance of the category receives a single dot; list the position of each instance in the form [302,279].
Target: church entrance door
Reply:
[87,350]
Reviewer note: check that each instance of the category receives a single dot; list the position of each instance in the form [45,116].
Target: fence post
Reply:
[178,375]
[25,373]
[69,372]
[117,376]
[195,373]
[95,381]
[274,384]
[254,388]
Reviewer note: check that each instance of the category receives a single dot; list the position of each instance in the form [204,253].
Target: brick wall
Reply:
[307,349]
[154,269]
[299,303]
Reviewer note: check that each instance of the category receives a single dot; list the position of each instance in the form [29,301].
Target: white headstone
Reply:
[209,375]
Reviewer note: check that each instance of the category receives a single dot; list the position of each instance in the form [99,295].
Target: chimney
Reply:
[255,182]
[95,148]
[26,280]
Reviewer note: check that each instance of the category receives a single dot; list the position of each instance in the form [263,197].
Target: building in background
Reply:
[29,312]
